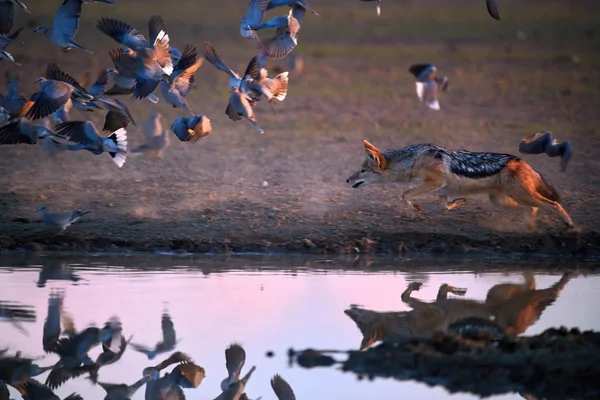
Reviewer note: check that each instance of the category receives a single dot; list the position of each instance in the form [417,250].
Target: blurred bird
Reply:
[65,25]
[121,391]
[177,86]
[300,3]
[241,97]
[34,390]
[16,313]
[186,374]
[543,142]
[13,102]
[59,220]
[55,89]
[235,390]
[378,2]
[235,358]
[153,126]
[84,136]
[282,389]
[5,41]
[154,146]
[167,343]
[191,129]
[286,35]
[23,131]
[253,18]
[492,8]
[275,88]
[8,14]
[16,371]
[428,84]
[152,59]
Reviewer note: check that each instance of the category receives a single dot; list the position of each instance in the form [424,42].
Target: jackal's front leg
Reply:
[424,187]
[449,205]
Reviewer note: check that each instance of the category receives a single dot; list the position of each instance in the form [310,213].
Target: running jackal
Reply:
[506,179]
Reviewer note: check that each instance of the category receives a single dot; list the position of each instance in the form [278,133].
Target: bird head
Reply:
[40,80]
[110,71]
[39,29]
[41,209]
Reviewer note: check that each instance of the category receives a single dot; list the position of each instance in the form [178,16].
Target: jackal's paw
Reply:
[415,285]
[461,201]
[416,207]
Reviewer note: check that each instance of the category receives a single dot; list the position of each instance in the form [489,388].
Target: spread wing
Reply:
[124,62]
[14,133]
[66,18]
[213,57]
[235,358]
[282,389]
[83,132]
[122,33]
[48,100]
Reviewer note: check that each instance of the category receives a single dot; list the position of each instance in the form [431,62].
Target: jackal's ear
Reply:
[369,146]
[376,158]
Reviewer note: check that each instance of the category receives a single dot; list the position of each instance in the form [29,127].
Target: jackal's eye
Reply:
[362,171]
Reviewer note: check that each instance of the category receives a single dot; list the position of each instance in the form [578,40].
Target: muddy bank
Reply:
[409,243]
[556,364]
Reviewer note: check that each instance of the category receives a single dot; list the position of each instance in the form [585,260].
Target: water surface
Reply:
[263,303]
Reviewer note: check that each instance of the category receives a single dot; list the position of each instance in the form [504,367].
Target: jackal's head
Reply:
[372,170]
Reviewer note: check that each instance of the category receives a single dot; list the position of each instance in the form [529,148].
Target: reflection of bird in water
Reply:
[169,387]
[121,391]
[16,371]
[282,389]
[58,271]
[16,313]
[73,349]
[168,342]
[543,142]
[112,348]
[34,390]
[235,390]
[235,358]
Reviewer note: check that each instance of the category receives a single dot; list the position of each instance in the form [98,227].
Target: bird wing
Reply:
[83,132]
[256,12]
[281,45]
[212,56]
[97,88]
[4,395]
[36,390]
[66,18]
[186,60]
[420,71]
[192,372]
[168,330]
[115,120]
[53,72]
[253,69]
[124,62]
[156,25]
[183,82]
[49,99]
[148,76]
[122,33]
[51,332]
[177,357]
[58,376]
[235,358]
[282,389]
[16,132]
[8,14]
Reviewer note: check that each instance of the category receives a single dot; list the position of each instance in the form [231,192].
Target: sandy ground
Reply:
[537,69]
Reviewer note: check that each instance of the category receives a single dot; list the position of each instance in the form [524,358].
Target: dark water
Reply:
[263,303]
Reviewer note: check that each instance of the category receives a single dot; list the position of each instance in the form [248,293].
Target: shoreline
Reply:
[551,245]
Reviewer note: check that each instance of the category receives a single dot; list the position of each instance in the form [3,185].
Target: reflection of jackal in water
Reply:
[514,307]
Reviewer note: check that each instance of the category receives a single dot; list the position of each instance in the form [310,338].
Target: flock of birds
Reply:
[145,64]
[60,337]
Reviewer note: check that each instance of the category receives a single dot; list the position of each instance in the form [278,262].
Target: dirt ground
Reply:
[236,190]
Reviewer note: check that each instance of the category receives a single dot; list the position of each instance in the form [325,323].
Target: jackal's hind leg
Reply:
[424,187]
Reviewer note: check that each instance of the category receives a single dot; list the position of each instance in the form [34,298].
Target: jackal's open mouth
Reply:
[357,184]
